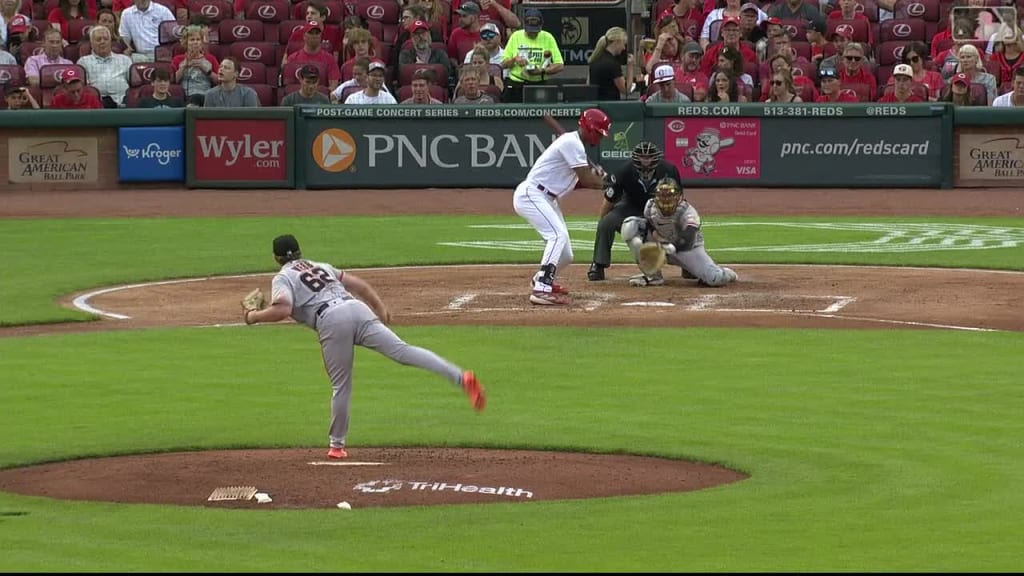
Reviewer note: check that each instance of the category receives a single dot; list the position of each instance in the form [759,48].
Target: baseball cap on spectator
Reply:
[749,6]
[418,25]
[841,31]
[18,24]
[960,78]
[817,25]
[903,70]
[312,25]
[488,30]
[692,48]
[469,9]
[730,20]
[533,20]
[663,73]
[376,65]
[309,71]
[828,73]
[71,75]
[773,20]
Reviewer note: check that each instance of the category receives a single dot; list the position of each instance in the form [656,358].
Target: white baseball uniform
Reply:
[552,178]
[319,300]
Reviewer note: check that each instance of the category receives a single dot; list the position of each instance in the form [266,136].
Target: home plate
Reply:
[348,463]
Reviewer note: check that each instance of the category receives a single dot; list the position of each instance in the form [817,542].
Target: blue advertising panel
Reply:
[154,154]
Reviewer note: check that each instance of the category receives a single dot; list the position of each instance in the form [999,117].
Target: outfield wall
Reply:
[337,147]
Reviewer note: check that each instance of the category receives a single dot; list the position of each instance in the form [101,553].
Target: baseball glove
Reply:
[254,301]
[652,258]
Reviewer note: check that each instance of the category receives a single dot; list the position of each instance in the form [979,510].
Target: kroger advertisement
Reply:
[153,154]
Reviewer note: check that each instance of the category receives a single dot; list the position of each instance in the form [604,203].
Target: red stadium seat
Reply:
[858,29]
[29,49]
[868,8]
[890,53]
[901,30]
[170,32]
[920,89]
[289,88]
[49,93]
[436,91]
[802,68]
[12,74]
[296,45]
[346,70]
[383,11]
[264,52]
[164,53]
[861,91]
[265,93]
[802,49]
[133,95]
[884,73]
[213,10]
[142,73]
[406,72]
[290,72]
[797,29]
[241,31]
[286,29]
[50,74]
[79,30]
[979,95]
[927,10]
[267,10]
[253,73]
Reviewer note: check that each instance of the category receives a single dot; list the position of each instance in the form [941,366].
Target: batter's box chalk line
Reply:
[721,303]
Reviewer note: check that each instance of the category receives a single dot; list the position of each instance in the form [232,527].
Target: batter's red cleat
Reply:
[558,289]
[549,298]
[337,454]
[474,390]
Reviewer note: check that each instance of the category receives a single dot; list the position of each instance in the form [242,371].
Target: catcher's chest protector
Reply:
[670,227]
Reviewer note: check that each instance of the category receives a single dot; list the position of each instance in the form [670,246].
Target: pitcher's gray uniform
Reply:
[679,231]
[319,300]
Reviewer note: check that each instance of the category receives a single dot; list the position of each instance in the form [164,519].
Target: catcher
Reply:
[670,231]
[345,311]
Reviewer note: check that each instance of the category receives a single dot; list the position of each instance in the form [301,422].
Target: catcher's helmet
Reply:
[646,157]
[594,125]
[668,195]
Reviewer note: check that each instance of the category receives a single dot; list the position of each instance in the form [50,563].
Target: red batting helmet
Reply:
[594,125]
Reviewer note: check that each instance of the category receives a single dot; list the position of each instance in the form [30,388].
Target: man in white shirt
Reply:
[359,69]
[1014,97]
[106,71]
[373,93]
[665,80]
[53,50]
[554,176]
[140,29]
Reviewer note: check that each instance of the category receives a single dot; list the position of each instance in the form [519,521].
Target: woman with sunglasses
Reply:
[914,55]
[782,90]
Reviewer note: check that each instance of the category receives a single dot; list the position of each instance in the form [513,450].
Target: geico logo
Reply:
[615,154]
[916,9]
[241,31]
[485,151]
[376,11]
[252,53]
[221,147]
[210,10]
[845,29]
[245,73]
[901,30]
[267,12]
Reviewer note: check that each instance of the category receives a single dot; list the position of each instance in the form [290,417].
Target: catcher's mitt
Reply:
[652,258]
[253,301]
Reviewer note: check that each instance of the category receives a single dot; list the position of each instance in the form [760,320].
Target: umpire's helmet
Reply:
[646,157]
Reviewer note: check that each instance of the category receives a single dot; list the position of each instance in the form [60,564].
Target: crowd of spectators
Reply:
[244,53]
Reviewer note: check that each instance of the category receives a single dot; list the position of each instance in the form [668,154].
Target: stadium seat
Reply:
[890,53]
[290,72]
[12,73]
[78,30]
[254,73]
[133,95]
[264,52]
[902,29]
[285,30]
[289,88]
[142,73]
[861,91]
[49,93]
[436,91]
[266,94]
[406,72]
[241,31]
[858,29]
[214,10]
[920,89]
[979,95]
[169,32]
[50,74]
[267,10]
[383,11]
[797,30]
[927,10]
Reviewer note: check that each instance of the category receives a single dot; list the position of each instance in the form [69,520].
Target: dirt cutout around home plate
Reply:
[765,296]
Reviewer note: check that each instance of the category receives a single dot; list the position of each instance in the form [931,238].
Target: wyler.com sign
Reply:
[153,154]
[453,147]
[237,149]
[55,160]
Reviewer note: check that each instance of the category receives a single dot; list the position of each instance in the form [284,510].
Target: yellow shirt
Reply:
[533,49]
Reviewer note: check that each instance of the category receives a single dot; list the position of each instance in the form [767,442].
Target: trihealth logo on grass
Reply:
[154,154]
[385,486]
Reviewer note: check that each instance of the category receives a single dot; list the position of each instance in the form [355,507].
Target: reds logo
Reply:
[245,73]
[676,126]
[916,9]
[296,27]
[692,31]
[241,31]
[210,11]
[792,30]
[845,29]
[267,12]
[375,11]
[252,53]
[902,30]
[849,92]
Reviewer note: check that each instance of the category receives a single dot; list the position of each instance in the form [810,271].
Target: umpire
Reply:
[634,186]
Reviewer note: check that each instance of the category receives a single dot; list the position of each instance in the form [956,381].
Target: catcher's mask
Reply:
[668,195]
[646,157]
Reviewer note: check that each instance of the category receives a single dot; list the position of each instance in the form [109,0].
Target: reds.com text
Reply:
[855,148]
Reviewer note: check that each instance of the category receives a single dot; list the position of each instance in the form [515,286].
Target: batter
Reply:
[346,311]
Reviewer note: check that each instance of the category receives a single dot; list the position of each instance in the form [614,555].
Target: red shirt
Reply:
[333,72]
[891,97]
[840,98]
[56,16]
[946,34]
[461,36]
[861,77]
[710,60]
[694,15]
[838,15]
[89,100]
[177,60]
[1006,70]
[330,34]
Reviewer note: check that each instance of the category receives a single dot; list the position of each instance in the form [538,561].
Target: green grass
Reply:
[907,462]
[86,253]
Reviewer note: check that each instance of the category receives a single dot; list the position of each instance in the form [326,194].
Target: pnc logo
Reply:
[375,11]
[241,31]
[902,30]
[252,53]
[334,150]
[267,12]
[210,10]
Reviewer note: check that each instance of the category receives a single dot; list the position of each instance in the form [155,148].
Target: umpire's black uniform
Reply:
[629,194]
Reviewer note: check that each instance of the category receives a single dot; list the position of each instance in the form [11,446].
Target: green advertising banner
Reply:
[424,146]
[856,145]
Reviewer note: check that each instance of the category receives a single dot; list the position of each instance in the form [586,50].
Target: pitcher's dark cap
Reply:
[286,246]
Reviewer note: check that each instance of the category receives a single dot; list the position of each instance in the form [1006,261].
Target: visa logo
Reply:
[747,170]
